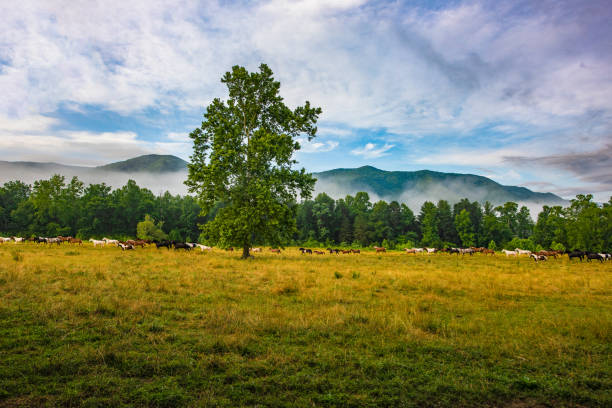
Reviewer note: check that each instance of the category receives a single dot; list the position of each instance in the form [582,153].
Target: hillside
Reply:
[151,163]
[407,186]
[165,172]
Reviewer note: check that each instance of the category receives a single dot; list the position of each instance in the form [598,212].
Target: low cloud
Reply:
[594,167]
[371,151]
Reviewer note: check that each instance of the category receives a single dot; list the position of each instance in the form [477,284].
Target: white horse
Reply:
[97,242]
[17,239]
[255,249]
[509,253]
[430,250]
[110,241]
[3,239]
[203,247]
[522,251]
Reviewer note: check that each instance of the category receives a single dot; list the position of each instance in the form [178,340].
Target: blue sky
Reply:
[517,91]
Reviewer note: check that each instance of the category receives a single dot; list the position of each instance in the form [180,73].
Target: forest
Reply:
[67,207]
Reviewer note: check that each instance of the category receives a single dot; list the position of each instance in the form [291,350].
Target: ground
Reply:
[84,326]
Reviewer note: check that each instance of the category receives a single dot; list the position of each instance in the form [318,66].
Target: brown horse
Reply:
[488,251]
[75,241]
[380,249]
[275,250]
[355,251]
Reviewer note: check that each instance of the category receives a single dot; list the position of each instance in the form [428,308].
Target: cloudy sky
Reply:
[519,91]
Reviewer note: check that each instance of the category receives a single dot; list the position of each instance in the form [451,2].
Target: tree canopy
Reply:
[243,158]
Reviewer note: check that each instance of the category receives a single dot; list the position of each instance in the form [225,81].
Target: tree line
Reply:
[59,207]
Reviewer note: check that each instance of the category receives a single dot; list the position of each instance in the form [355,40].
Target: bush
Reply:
[492,245]
[557,246]
[526,244]
[148,229]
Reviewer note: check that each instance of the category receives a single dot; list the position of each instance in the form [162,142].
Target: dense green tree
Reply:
[465,228]
[429,225]
[446,226]
[243,156]
[524,223]
[148,229]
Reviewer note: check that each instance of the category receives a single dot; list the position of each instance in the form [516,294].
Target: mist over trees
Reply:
[67,207]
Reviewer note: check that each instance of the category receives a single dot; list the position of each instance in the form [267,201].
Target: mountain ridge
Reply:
[404,186]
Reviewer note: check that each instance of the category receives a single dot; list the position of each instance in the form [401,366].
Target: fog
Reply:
[157,183]
[413,197]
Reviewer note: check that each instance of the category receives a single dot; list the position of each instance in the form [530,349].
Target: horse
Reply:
[75,241]
[380,249]
[275,250]
[576,254]
[593,255]
[97,242]
[355,251]
[110,241]
[410,250]
[181,245]
[125,247]
[431,250]
[319,252]
[163,244]
[464,251]
[204,247]
[606,257]
[522,251]
[509,253]
[538,257]
[487,251]
[255,249]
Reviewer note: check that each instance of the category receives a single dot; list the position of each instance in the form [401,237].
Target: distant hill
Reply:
[418,186]
[164,172]
[151,163]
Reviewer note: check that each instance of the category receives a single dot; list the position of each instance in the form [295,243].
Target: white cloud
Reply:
[370,151]
[315,146]
[179,137]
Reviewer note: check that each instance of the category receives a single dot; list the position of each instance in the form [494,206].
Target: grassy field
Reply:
[84,326]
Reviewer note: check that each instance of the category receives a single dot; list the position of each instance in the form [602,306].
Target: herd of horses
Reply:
[188,246]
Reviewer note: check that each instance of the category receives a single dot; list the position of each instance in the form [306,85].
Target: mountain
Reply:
[413,187]
[151,163]
[160,173]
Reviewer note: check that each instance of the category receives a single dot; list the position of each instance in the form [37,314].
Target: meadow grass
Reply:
[97,327]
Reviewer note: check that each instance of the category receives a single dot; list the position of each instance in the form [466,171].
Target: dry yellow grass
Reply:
[391,329]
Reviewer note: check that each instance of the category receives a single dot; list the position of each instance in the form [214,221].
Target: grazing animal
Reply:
[181,245]
[255,249]
[204,247]
[97,242]
[464,251]
[454,251]
[125,247]
[430,250]
[231,249]
[17,239]
[576,254]
[538,257]
[522,251]
[275,250]
[380,249]
[75,241]
[356,251]
[308,251]
[509,253]
[163,244]
[346,251]
[110,241]
[606,257]
[319,252]
[4,239]
[410,250]
[487,251]
[54,241]
[592,255]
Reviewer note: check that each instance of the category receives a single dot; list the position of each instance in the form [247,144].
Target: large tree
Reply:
[243,157]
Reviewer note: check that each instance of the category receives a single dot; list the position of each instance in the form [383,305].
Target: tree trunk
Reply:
[245,251]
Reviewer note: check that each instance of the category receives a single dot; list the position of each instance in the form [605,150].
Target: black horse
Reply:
[162,244]
[576,254]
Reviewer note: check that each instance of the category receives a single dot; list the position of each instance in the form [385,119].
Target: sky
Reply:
[518,91]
